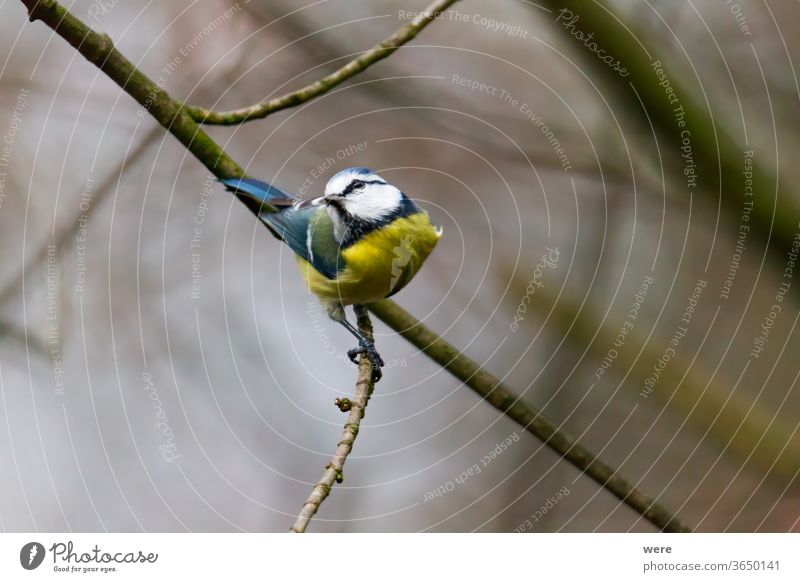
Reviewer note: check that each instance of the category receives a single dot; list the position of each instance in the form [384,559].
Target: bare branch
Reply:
[99,50]
[71,226]
[355,408]
[377,53]
[511,404]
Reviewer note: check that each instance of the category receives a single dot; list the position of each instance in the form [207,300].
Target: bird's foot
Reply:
[368,349]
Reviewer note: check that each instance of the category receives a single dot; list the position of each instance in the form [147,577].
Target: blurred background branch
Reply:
[696,143]
[708,401]
[67,232]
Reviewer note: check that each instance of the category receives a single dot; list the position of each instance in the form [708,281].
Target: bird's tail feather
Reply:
[259,196]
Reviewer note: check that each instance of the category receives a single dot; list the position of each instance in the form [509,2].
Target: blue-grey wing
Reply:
[309,233]
[307,229]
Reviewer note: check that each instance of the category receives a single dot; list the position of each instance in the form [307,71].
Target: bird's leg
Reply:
[365,346]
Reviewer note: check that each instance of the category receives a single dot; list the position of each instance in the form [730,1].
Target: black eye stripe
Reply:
[358,183]
[352,186]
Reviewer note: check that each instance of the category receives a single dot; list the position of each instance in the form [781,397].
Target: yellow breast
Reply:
[378,265]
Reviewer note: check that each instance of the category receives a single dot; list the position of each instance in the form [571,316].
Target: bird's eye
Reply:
[354,185]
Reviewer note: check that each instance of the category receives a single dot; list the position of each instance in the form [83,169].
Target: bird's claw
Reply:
[368,349]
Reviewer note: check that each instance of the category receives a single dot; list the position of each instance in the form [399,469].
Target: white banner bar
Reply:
[371,557]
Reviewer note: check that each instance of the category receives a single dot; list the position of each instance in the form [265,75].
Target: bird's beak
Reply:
[314,202]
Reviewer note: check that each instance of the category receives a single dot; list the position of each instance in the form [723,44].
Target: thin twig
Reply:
[610,168]
[99,50]
[511,404]
[379,52]
[356,408]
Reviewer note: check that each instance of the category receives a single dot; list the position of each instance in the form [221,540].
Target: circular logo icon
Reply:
[31,555]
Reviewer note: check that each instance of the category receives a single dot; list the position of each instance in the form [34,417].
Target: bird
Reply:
[363,240]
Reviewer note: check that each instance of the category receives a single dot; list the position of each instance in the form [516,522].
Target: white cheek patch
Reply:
[374,202]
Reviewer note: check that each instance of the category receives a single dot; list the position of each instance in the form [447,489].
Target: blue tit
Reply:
[362,241]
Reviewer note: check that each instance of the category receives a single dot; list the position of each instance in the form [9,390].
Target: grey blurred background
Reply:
[163,368]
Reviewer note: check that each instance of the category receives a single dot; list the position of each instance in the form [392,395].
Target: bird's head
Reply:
[361,194]
[358,201]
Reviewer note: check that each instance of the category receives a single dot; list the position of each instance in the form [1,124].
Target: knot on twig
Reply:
[344,404]
[339,474]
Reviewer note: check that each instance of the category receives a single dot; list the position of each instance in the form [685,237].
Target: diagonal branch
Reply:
[377,53]
[356,408]
[511,404]
[99,49]
[101,192]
